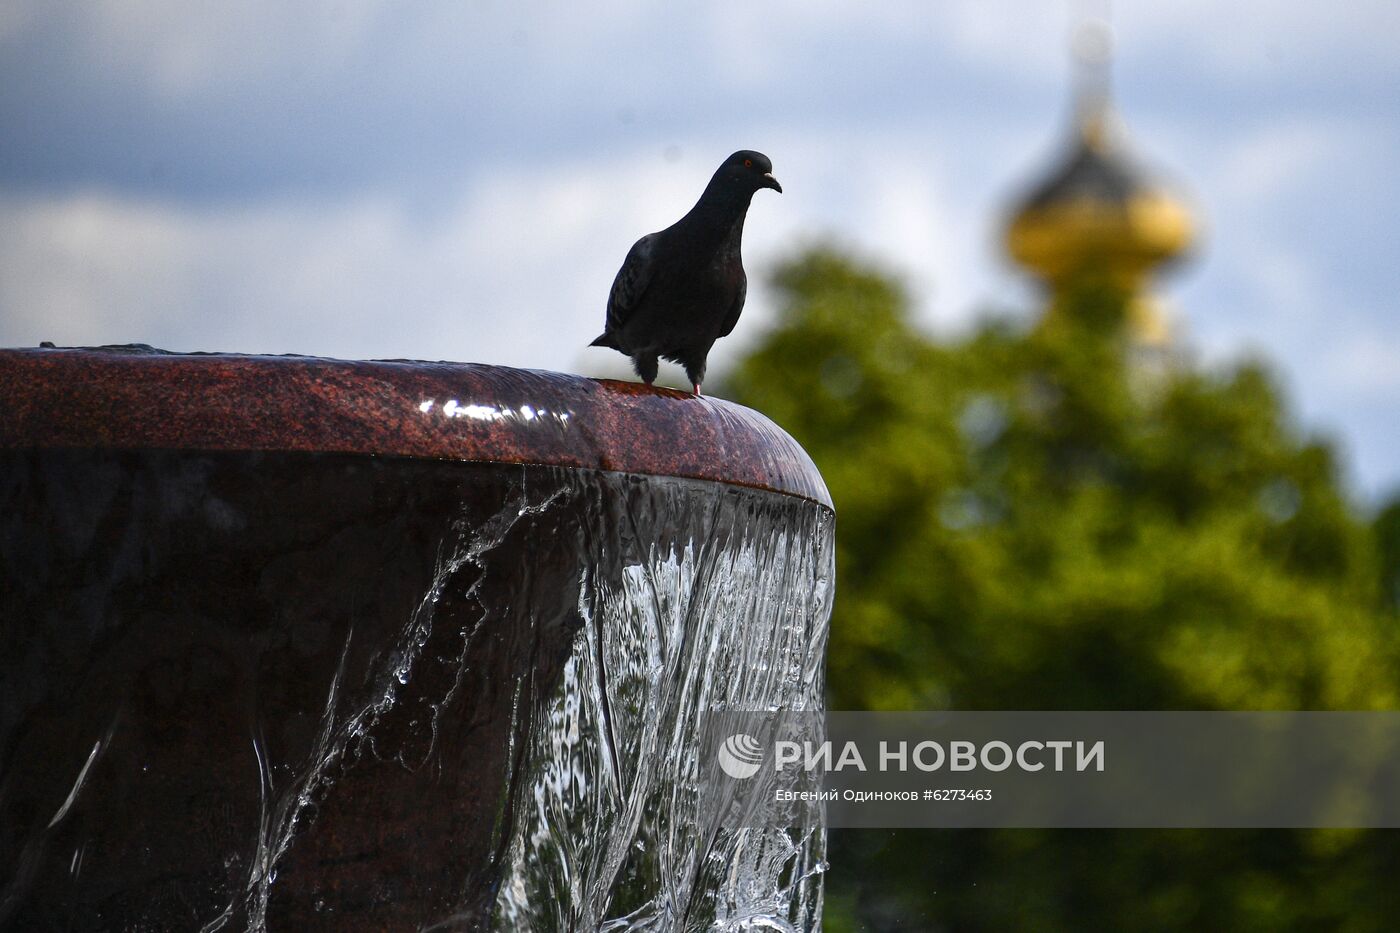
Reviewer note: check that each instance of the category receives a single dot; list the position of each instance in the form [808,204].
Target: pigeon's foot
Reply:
[646,366]
[697,390]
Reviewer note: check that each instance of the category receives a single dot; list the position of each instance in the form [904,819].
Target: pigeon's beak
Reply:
[770,182]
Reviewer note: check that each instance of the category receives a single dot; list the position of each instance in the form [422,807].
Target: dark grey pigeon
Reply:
[681,289]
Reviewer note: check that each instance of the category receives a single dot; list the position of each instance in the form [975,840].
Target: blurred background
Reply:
[1091,328]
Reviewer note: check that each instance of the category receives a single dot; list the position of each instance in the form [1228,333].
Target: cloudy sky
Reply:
[459,179]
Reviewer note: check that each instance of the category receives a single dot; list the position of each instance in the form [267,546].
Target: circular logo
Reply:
[740,756]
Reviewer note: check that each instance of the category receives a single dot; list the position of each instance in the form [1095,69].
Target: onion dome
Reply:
[1097,214]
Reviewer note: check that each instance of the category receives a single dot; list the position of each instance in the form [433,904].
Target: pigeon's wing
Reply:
[631,282]
[732,317]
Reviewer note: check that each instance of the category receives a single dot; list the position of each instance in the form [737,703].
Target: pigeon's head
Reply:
[750,169]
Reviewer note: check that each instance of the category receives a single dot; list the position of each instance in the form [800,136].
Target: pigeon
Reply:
[681,289]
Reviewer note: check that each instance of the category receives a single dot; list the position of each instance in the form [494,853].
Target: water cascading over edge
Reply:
[399,684]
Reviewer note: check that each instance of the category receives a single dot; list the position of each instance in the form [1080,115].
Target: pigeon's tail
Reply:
[605,339]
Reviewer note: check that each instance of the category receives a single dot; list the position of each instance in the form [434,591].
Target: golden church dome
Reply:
[1097,214]
[1097,209]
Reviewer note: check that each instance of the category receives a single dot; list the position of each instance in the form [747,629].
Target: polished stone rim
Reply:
[137,397]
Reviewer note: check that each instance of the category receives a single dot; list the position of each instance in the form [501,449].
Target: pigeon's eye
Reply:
[748,163]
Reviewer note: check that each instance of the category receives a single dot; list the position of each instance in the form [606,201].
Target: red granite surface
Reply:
[134,398]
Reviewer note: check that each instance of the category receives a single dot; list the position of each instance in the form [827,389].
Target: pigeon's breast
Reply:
[696,281]
[711,293]
[708,282]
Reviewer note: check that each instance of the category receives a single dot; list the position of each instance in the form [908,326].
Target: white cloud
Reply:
[513,268]
[1272,162]
[1365,364]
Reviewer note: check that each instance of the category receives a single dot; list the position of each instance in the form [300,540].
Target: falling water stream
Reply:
[534,710]
[711,597]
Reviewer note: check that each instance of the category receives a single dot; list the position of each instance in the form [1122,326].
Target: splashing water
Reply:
[717,600]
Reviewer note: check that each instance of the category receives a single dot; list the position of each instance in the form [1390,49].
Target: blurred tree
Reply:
[1387,527]
[1031,519]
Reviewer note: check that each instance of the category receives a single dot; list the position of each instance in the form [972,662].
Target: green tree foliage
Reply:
[1040,519]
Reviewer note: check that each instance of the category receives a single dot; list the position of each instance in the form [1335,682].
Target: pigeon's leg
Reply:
[646,366]
[695,372]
